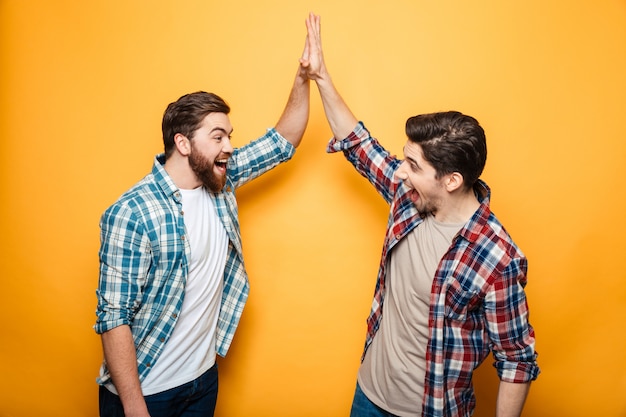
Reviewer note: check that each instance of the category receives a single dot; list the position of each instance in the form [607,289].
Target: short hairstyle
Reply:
[185,115]
[450,142]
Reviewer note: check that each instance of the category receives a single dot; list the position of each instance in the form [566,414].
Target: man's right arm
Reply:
[118,292]
[121,360]
[364,152]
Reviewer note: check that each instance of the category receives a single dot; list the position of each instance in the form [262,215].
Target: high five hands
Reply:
[312,61]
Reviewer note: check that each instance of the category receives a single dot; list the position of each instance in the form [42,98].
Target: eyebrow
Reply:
[414,164]
[408,157]
[221,129]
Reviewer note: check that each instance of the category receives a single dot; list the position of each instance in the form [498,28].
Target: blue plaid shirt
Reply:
[144,253]
[477,302]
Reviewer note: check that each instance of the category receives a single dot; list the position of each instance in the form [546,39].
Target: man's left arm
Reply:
[511,399]
[512,338]
[279,143]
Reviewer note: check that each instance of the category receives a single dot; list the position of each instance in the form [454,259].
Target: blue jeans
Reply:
[193,399]
[363,407]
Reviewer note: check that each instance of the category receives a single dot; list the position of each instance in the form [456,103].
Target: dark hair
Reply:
[185,115]
[450,142]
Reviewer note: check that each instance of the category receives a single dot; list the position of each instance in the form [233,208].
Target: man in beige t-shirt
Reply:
[450,286]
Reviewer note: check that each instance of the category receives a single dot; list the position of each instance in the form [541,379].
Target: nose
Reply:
[227,146]
[401,172]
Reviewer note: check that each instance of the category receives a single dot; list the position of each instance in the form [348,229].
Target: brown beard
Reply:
[203,168]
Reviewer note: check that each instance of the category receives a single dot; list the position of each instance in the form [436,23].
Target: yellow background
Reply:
[82,90]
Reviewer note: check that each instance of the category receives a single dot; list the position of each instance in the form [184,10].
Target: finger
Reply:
[316,25]
[306,52]
[311,30]
[309,24]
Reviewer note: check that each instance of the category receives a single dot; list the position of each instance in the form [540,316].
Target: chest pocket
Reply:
[462,299]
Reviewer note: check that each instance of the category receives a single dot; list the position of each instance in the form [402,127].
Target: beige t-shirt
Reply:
[393,370]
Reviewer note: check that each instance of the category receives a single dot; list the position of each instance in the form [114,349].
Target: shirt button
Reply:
[182,213]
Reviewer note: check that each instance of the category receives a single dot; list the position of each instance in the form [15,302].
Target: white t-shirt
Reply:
[190,351]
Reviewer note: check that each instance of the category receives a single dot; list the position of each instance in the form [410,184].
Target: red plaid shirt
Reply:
[477,304]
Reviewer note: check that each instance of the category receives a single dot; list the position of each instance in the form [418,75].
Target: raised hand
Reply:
[312,66]
[312,61]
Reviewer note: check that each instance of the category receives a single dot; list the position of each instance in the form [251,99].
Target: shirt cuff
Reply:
[517,372]
[358,135]
[283,144]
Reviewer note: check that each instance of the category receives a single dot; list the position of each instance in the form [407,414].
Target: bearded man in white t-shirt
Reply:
[172,281]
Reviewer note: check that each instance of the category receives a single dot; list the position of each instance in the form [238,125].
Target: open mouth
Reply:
[220,164]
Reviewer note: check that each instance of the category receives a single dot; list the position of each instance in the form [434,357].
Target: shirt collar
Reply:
[162,178]
[474,228]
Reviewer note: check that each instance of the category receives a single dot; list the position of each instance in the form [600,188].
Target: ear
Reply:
[183,146]
[453,181]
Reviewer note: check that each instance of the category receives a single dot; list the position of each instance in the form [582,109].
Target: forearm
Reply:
[511,398]
[340,118]
[121,360]
[293,121]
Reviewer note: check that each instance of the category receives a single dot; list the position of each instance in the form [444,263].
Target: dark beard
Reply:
[203,168]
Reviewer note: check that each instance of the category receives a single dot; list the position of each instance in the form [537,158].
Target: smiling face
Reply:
[428,192]
[210,150]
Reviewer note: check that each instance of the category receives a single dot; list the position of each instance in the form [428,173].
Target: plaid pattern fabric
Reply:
[478,304]
[144,253]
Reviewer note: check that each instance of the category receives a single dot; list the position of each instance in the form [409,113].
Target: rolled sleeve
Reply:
[370,159]
[259,156]
[512,335]
[358,135]
[123,265]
